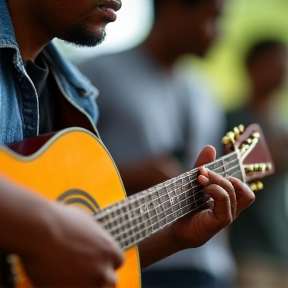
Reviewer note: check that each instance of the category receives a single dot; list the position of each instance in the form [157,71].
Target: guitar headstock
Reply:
[253,153]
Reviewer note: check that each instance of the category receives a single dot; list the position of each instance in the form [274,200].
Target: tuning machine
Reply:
[232,136]
[259,167]
[256,186]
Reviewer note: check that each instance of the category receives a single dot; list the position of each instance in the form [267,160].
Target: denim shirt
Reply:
[19,106]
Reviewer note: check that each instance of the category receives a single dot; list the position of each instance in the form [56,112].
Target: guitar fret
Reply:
[213,166]
[193,188]
[140,237]
[163,197]
[147,212]
[159,212]
[125,242]
[173,209]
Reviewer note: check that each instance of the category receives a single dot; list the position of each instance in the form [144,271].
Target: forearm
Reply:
[157,247]
[22,219]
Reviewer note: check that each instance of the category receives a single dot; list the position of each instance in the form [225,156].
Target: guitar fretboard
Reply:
[143,214]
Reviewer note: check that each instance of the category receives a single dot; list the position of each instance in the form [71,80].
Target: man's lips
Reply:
[110,7]
[110,4]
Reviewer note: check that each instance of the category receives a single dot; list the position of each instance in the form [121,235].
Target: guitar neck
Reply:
[135,218]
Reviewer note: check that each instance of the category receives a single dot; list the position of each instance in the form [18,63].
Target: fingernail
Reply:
[204,179]
[204,170]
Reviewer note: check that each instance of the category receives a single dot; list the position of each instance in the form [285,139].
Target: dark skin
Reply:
[60,245]
[36,23]
[95,249]
[229,196]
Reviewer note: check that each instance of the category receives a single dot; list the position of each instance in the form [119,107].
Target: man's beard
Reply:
[83,37]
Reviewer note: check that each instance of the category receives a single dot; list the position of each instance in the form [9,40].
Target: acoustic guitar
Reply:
[74,167]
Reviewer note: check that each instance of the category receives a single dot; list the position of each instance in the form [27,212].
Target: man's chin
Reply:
[84,38]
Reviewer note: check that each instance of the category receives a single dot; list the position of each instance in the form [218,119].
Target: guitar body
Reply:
[75,168]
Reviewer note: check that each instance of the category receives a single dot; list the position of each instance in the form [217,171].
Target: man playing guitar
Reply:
[31,70]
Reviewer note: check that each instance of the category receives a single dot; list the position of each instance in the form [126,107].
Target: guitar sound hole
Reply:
[80,198]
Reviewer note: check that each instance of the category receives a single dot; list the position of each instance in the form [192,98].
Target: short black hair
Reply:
[263,46]
[157,3]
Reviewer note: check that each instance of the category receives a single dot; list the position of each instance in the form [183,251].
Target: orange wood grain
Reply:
[73,159]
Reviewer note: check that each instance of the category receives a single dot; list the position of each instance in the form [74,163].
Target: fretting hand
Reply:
[229,197]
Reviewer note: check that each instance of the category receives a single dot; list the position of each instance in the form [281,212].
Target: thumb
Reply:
[207,155]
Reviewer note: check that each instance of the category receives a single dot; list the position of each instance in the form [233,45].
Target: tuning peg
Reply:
[259,167]
[256,186]
[231,136]
[249,143]
[256,135]
[238,130]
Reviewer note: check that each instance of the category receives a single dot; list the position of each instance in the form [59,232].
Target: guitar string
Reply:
[141,195]
[150,219]
[157,216]
[151,191]
[146,195]
[147,203]
[127,243]
[138,217]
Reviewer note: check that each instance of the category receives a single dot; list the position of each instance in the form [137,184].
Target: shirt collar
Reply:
[7,35]
[7,39]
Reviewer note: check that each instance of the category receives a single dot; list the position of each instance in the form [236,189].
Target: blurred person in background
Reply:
[259,239]
[156,118]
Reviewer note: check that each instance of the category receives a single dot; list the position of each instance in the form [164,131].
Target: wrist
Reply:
[158,246]
[175,238]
